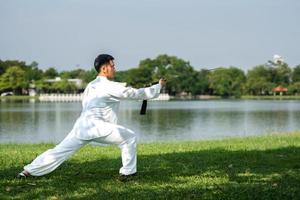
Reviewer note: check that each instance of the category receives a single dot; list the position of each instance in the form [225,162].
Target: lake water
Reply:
[34,122]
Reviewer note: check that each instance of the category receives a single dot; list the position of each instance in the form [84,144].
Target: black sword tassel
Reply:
[144,104]
[143,108]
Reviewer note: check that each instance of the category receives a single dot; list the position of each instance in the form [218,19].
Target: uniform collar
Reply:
[101,77]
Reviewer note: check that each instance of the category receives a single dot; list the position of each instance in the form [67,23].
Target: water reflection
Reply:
[190,120]
[30,122]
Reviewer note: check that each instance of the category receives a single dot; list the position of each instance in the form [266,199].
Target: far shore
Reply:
[182,98]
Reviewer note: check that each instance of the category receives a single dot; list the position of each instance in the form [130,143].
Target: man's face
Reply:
[109,69]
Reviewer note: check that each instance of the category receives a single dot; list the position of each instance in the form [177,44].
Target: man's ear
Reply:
[102,68]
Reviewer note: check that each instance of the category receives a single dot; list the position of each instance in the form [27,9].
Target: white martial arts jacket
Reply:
[100,105]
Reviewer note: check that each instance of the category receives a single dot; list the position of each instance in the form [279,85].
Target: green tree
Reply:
[296,74]
[2,67]
[50,73]
[64,86]
[33,73]
[294,88]
[282,74]
[77,73]
[43,86]
[9,63]
[14,79]
[200,84]
[227,82]
[120,76]
[138,77]
[180,75]
[259,80]
[89,76]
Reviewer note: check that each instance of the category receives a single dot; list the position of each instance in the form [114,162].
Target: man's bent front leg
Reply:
[126,140]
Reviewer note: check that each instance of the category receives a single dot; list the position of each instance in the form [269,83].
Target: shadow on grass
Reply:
[208,174]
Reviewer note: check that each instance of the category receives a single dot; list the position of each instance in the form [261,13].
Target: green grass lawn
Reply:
[265,167]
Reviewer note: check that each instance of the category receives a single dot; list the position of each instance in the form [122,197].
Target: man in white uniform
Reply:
[98,122]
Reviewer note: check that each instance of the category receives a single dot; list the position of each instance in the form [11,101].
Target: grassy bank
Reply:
[253,168]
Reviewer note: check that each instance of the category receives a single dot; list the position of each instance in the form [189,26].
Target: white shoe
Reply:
[23,174]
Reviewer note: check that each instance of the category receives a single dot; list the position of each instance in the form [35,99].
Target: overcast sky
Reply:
[68,34]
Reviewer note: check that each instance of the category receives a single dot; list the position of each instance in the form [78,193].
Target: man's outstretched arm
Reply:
[120,91]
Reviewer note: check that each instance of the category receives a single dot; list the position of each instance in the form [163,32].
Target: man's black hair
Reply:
[101,60]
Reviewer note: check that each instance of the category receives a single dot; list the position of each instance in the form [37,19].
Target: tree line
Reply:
[182,78]
[18,77]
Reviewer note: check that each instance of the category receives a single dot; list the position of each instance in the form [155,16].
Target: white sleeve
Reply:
[120,91]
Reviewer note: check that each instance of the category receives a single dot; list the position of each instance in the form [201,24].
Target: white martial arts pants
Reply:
[52,158]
